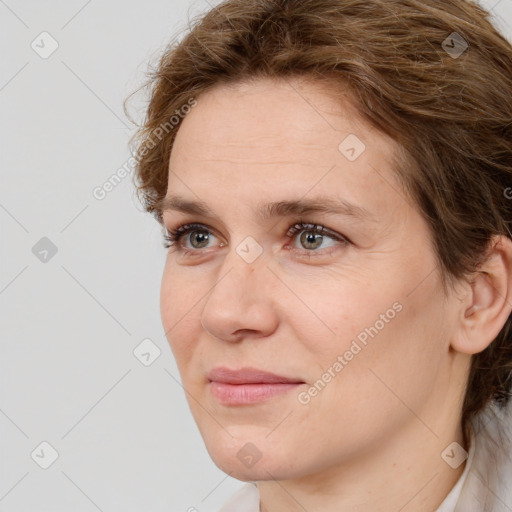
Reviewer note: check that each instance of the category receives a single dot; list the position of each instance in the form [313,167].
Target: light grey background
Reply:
[69,325]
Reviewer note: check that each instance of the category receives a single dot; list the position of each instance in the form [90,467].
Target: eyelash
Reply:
[174,236]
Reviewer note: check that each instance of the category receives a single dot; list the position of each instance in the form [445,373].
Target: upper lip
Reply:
[248,376]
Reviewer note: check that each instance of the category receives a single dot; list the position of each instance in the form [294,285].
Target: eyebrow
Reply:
[320,204]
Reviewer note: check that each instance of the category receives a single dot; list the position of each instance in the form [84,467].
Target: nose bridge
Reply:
[240,274]
[246,259]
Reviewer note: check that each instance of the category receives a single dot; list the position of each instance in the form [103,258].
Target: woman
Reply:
[333,181]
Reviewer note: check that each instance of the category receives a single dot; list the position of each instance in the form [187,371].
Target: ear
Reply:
[488,301]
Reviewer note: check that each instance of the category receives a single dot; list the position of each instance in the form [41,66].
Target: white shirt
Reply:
[484,486]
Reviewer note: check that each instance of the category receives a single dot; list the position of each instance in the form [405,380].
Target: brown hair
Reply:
[448,107]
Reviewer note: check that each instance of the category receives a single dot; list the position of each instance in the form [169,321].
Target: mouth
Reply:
[248,385]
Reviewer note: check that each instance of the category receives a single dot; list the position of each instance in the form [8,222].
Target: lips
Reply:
[249,376]
[248,386]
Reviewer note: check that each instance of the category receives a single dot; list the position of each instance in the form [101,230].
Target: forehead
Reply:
[280,136]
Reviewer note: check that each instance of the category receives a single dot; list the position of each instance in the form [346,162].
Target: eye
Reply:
[312,236]
[199,240]
[191,238]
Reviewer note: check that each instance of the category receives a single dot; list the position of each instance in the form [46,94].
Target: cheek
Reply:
[391,347]
[372,324]
[344,309]
[180,293]
[179,310]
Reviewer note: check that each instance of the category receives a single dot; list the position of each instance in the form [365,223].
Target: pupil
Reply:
[313,238]
[200,237]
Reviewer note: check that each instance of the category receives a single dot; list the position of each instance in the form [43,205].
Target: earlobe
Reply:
[488,304]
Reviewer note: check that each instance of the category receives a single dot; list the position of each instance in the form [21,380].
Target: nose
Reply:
[241,301]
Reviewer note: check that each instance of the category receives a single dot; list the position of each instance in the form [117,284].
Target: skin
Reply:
[372,438]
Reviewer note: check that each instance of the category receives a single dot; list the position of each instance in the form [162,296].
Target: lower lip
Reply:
[243,394]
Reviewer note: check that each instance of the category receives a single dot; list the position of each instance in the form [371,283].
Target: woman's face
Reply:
[361,325]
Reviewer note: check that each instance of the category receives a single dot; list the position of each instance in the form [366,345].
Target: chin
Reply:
[264,469]
[251,456]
